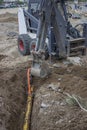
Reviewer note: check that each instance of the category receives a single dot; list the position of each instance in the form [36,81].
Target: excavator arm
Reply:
[50,17]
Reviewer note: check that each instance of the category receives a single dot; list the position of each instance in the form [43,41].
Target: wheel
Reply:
[24,44]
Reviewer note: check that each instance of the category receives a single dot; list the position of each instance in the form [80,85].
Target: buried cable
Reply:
[27,119]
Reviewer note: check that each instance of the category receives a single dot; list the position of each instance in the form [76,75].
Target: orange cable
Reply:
[28,78]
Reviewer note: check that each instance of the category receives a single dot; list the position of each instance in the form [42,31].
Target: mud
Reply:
[50,109]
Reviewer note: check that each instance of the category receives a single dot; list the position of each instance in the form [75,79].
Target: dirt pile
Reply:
[8,17]
[50,110]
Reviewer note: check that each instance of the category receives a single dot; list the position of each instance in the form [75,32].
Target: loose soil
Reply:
[12,98]
[50,110]
[57,114]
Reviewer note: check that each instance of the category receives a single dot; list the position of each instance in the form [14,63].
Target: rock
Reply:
[69,121]
[59,121]
[46,95]
[55,102]
[54,87]
[56,65]
[75,60]
[66,63]
[12,34]
[62,103]
[43,105]
[59,79]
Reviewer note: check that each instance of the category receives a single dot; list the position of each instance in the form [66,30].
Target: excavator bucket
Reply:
[39,66]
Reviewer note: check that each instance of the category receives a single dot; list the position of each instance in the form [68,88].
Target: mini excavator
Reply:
[45,31]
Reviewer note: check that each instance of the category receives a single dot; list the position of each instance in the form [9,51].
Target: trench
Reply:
[13,99]
[13,95]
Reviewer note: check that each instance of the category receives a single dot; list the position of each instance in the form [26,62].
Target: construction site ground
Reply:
[50,108]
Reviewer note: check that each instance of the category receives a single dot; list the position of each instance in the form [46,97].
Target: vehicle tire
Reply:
[24,44]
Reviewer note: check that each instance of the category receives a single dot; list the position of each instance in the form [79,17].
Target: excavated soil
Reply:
[50,109]
[13,71]
[8,17]
[12,98]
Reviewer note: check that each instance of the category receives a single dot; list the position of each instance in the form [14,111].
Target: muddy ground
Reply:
[50,109]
